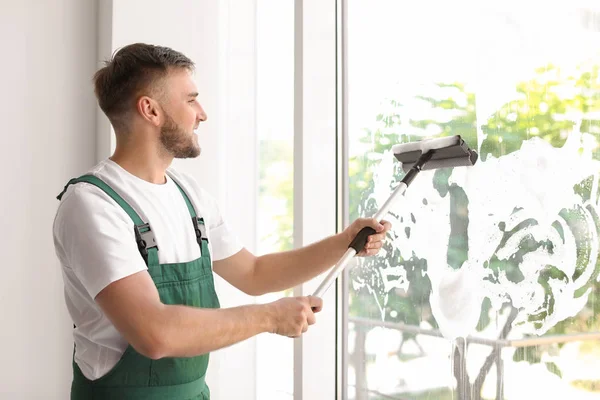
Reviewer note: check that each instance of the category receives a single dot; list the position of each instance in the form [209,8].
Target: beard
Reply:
[176,141]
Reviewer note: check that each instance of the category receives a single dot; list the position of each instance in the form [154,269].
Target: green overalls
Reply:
[191,283]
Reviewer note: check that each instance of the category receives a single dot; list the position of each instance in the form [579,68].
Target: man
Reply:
[138,243]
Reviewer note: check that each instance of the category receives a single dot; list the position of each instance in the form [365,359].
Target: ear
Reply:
[150,110]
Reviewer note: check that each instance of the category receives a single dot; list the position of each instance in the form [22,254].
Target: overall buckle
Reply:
[200,230]
[145,239]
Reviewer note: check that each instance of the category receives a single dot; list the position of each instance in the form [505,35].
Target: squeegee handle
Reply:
[361,238]
[335,271]
[358,243]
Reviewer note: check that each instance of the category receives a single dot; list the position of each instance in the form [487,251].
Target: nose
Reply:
[201,116]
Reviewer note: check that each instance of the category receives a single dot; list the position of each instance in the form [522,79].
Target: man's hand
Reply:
[375,241]
[291,316]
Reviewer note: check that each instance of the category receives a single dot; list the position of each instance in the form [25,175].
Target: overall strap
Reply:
[143,233]
[199,226]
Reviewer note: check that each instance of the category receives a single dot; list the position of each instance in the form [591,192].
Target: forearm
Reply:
[280,271]
[182,331]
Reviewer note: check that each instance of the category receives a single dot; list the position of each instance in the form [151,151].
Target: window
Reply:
[275,214]
[504,253]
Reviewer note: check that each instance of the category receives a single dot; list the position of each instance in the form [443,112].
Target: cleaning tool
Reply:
[445,152]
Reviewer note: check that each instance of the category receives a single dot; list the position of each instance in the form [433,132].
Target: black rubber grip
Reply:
[361,239]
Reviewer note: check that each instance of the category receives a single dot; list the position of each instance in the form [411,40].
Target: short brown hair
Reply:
[132,71]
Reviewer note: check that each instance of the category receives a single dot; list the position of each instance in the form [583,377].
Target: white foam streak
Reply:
[533,184]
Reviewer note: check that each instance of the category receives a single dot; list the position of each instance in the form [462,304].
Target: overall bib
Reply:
[135,376]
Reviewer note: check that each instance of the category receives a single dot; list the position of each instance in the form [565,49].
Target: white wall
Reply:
[48,125]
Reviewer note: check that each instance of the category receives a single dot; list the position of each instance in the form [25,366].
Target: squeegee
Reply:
[445,152]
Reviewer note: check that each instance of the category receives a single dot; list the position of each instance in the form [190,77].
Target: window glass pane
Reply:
[275,129]
[503,251]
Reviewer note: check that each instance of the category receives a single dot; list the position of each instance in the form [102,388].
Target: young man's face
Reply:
[182,115]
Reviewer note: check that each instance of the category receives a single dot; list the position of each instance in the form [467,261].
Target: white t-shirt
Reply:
[95,243]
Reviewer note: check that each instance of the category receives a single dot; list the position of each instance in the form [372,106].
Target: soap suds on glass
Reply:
[532,236]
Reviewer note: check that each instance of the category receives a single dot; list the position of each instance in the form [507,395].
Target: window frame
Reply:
[316,185]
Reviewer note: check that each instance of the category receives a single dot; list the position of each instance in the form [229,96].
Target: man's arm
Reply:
[94,238]
[157,330]
[279,271]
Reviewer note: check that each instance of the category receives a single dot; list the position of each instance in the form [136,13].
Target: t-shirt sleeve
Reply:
[222,240]
[94,238]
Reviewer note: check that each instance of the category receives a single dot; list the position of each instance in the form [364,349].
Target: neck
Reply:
[142,161]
